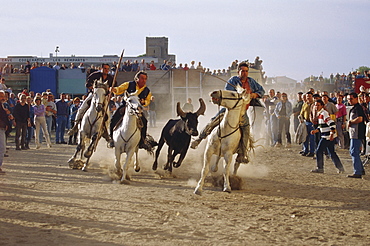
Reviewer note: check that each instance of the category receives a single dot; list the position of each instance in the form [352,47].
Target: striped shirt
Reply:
[326,124]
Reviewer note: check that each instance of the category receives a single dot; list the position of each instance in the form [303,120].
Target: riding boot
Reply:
[74,129]
[207,130]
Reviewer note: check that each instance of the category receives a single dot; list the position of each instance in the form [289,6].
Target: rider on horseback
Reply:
[256,91]
[107,79]
[138,86]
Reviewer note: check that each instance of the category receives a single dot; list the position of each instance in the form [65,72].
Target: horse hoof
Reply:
[71,163]
[137,169]
[228,190]
[126,182]
[198,192]
[154,167]
[84,169]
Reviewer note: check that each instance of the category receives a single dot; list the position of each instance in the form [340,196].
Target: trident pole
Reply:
[108,99]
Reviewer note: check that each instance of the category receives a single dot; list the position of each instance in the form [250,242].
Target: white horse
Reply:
[127,136]
[89,127]
[224,139]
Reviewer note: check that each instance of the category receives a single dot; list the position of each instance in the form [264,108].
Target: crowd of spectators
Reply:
[318,116]
[129,66]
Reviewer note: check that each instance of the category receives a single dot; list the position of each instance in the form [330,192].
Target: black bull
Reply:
[177,135]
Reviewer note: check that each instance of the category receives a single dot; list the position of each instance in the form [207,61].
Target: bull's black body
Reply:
[177,135]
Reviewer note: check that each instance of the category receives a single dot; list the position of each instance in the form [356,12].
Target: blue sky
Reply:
[293,38]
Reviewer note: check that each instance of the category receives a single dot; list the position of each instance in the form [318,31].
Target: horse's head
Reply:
[191,119]
[133,105]
[230,99]
[99,93]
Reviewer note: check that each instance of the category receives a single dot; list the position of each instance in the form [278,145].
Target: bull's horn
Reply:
[179,110]
[202,107]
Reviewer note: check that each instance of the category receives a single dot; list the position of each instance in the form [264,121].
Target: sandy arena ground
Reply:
[43,202]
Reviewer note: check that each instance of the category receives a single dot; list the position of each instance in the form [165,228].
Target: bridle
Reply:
[238,99]
[231,98]
[133,111]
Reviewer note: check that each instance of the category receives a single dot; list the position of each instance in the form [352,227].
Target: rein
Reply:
[137,118]
[219,121]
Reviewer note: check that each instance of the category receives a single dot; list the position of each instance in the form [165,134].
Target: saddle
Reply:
[122,112]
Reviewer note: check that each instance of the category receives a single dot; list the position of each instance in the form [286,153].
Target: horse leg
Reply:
[90,149]
[214,167]
[207,158]
[125,177]
[117,162]
[71,161]
[137,164]
[228,159]
[236,167]
[160,145]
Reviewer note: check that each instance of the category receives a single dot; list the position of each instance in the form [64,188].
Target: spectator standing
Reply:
[22,121]
[2,85]
[309,144]
[142,65]
[188,106]
[356,128]
[152,66]
[341,120]
[135,66]
[297,109]
[3,127]
[152,113]
[51,111]
[273,126]
[40,122]
[31,126]
[62,117]
[327,128]
[283,111]
[72,116]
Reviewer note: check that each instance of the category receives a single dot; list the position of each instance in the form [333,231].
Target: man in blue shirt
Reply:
[256,91]
[62,117]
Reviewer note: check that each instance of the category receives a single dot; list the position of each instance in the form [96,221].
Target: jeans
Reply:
[274,128]
[49,124]
[20,132]
[309,144]
[325,144]
[61,127]
[284,122]
[354,150]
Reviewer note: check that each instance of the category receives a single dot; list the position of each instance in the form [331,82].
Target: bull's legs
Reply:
[181,158]
[207,158]
[228,159]
[170,158]
[160,145]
